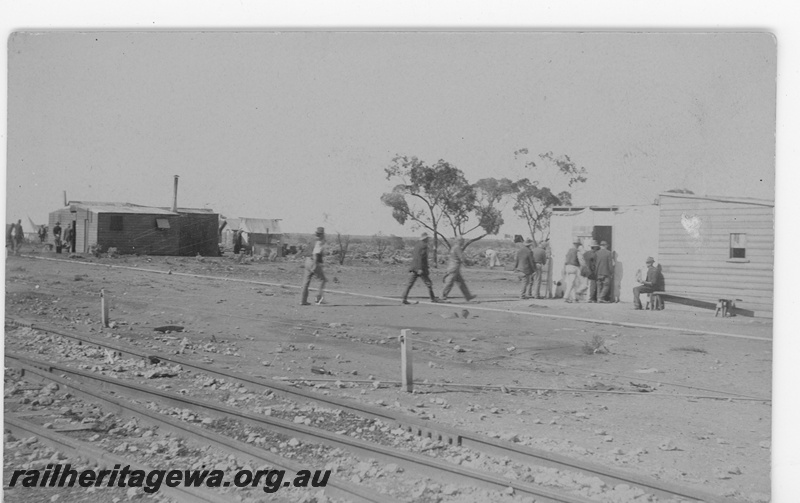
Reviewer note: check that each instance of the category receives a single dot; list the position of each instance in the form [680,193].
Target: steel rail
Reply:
[414,425]
[60,442]
[420,427]
[423,464]
[43,372]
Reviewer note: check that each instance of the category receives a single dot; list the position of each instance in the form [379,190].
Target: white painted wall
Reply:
[634,238]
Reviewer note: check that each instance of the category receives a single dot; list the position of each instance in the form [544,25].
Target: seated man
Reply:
[654,282]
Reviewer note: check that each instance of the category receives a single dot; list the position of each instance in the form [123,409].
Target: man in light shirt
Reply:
[313,267]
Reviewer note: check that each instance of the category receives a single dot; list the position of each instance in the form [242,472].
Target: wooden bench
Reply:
[726,306]
[654,302]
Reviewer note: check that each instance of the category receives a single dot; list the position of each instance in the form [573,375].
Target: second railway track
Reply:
[412,425]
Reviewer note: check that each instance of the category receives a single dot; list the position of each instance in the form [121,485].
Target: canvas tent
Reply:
[262,236]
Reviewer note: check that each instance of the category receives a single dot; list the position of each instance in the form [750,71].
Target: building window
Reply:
[738,245]
[116,222]
[162,223]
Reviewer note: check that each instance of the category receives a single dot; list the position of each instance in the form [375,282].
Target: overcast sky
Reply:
[300,125]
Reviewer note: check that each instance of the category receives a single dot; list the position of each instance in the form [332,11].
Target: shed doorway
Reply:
[602,233]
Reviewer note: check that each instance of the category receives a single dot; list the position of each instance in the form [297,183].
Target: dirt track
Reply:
[722,446]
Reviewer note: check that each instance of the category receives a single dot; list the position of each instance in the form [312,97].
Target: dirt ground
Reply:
[257,326]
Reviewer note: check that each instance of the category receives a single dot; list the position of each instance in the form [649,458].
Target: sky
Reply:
[301,125]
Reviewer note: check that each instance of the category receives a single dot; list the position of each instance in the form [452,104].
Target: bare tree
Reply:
[344,244]
[381,244]
[533,201]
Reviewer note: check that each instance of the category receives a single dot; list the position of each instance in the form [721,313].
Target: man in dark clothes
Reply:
[654,282]
[71,238]
[526,266]
[19,236]
[604,271]
[590,257]
[419,268]
[237,242]
[539,261]
[57,236]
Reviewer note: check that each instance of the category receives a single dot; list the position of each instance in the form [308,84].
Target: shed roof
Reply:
[106,207]
[723,199]
[103,207]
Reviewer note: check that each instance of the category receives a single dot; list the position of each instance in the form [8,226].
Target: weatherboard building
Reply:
[709,247]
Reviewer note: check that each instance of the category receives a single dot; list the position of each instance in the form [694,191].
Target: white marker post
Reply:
[407,378]
[104,307]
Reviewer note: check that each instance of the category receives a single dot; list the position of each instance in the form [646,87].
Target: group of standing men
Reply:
[68,238]
[531,259]
[599,270]
[596,265]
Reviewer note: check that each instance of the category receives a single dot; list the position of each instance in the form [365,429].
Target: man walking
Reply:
[453,274]
[539,261]
[313,268]
[526,266]
[590,257]
[604,271]
[572,269]
[419,268]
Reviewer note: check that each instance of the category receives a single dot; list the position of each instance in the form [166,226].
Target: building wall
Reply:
[66,217]
[138,235]
[634,231]
[199,234]
[694,245]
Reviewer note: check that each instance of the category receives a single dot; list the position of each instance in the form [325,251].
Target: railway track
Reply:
[20,428]
[412,425]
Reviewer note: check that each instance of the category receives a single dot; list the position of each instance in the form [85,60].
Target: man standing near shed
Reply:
[526,266]
[604,270]
[539,261]
[572,269]
[419,268]
[57,236]
[313,267]
[590,257]
[71,238]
